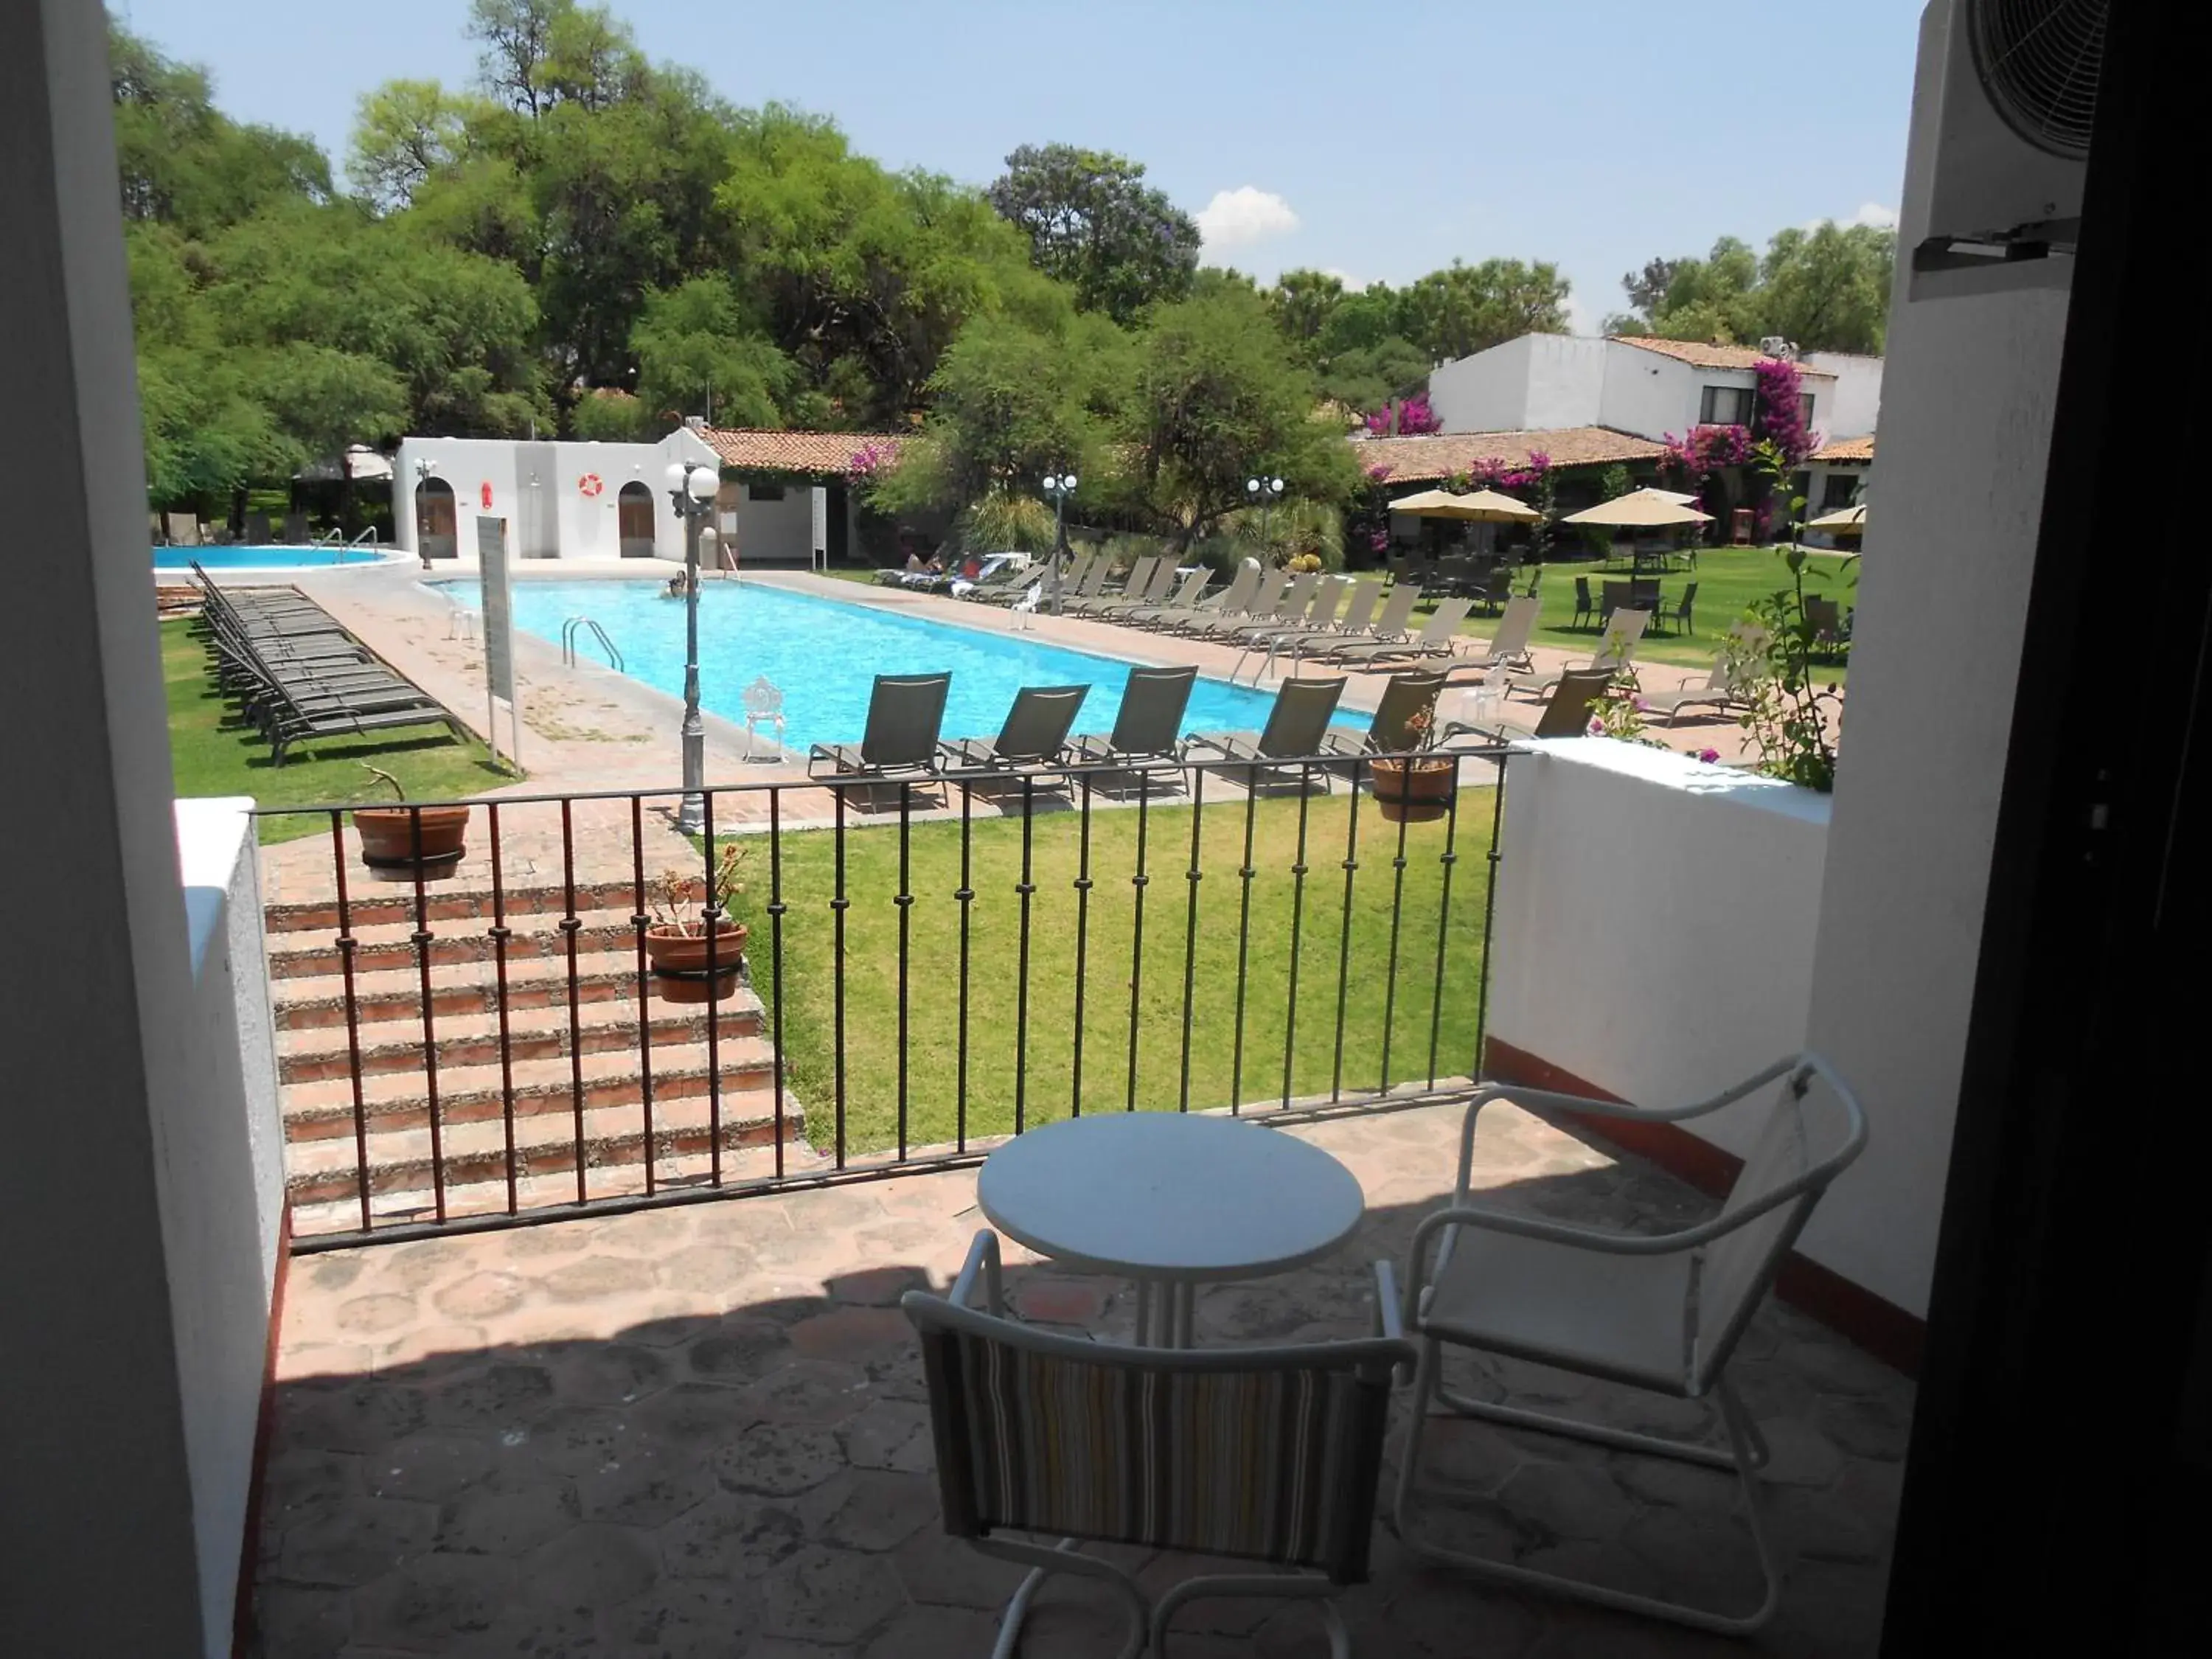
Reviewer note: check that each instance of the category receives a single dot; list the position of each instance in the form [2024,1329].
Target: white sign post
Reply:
[498,639]
[819,558]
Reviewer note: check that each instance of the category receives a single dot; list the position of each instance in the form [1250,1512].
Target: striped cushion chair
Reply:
[1264,1455]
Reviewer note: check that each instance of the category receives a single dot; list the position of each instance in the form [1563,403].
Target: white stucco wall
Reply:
[777,532]
[1485,392]
[1651,395]
[1851,408]
[230,1152]
[1942,599]
[587,526]
[1655,927]
[1566,381]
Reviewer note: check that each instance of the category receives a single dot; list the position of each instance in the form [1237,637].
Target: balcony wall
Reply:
[229,1153]
[1657,927]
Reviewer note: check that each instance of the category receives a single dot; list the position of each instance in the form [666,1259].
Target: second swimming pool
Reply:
[823,655]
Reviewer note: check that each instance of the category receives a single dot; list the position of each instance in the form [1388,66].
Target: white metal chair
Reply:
[1661,1312]
[1267,1455]
[763,700]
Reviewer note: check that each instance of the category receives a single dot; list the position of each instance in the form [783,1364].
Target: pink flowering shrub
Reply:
[1409,418]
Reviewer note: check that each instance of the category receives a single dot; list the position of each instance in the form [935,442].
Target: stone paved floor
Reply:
[701,1431]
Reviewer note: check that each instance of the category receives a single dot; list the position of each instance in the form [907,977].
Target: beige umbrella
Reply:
[1679,496]
[1639,508]
[1483,507]
[1852,518]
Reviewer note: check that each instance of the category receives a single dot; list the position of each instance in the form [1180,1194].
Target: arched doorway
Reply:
[633,520]
[435,535]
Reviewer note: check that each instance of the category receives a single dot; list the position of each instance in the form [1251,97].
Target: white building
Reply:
[1648,388]
[561,501]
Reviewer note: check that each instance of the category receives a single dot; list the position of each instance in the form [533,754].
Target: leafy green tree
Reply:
[698,352]
[608,416]
[1216,396]
[1093,223]
[182,161]
[1367,376]
[404,132]
[1302,303]
[1462,309]
[1823,289]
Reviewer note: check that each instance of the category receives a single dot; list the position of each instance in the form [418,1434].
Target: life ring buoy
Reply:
[590,484]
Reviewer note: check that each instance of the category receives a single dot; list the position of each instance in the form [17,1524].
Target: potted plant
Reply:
[677,938]
[1415,789]
[424,841]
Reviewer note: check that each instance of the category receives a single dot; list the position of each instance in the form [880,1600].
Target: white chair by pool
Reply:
[763,700]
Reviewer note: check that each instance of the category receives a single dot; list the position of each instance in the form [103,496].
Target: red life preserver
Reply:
[485,494]
[590,484]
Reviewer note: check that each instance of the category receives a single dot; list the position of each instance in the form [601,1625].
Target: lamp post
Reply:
[1266,492]
[1060,486]
[691,489]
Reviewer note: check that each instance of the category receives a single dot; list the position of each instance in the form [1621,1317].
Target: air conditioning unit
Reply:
[2018,95]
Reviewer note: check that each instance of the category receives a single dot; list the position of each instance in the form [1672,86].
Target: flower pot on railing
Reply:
[678,953]
[408,841]
[1413,791]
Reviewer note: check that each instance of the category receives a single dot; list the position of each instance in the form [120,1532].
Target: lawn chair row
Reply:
[296,673]
[906,711]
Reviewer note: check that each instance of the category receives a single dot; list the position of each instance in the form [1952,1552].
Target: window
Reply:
[1725,406]
[1805,411]
[765,492]
[1839,490]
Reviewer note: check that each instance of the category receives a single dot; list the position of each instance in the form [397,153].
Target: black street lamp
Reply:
[692,486]
[1266,492]
[1060,486]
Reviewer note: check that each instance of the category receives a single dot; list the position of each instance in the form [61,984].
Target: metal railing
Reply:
[575,626]
[946,961]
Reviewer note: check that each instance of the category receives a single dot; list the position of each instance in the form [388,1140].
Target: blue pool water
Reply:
[824,654]
[261,558]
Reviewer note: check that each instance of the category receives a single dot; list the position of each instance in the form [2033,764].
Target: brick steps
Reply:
[396,1045]
[397,1203]
[474,1151]
[547,1068]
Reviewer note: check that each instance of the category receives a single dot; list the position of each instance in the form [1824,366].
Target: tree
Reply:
[1010,403]
[698,352]
[1455,313]
[1825,289]
[403,132]
[1093,223]
[1302,303]
[1216,396]
[514,37]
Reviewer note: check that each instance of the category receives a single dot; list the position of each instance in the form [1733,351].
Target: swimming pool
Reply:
[269,557]
[824,654]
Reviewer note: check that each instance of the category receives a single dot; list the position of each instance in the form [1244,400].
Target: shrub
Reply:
[1003,522]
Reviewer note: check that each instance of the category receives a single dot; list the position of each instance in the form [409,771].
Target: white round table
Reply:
[1170,1201]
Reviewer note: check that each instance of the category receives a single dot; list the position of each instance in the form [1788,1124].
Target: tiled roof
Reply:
[1699,355]
[1847,449]
[1442,455]
[821,453]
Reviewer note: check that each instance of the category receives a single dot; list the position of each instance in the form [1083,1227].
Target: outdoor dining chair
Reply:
[1612,596]
[1047,1443]
[1585,608]
[1661,1312]
[1682,618]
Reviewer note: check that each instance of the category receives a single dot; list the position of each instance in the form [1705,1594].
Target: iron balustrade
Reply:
[886,843]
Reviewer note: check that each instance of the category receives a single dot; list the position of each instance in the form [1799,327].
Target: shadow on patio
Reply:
[702,1430]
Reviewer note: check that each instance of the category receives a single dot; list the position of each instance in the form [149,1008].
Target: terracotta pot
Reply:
[679,960]
[1413,792]
[388,843]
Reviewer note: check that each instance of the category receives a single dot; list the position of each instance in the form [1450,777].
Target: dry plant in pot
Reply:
[677,940]
[410,841]
[1414,788]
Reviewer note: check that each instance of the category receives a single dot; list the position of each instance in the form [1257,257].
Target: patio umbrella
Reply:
[1852,518]
[1640,508]
[1483,507]
[1681,497]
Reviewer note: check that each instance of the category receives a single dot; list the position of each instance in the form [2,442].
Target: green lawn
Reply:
[1324,963]
[213,756]
[1728,579]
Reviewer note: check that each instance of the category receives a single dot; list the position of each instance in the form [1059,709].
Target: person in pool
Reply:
[677,586]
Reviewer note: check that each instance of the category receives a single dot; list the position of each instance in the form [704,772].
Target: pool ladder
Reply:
[572,630]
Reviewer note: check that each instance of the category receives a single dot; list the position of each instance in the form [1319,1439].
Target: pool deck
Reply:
[589,728]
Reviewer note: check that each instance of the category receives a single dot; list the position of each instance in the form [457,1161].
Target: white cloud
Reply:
[1247,213]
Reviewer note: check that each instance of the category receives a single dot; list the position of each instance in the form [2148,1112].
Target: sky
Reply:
[1376,143]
